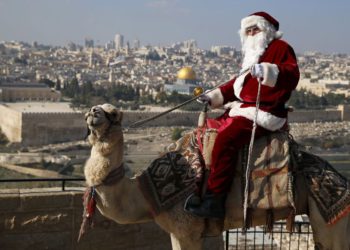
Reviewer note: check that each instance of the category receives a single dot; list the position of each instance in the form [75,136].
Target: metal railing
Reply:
[279,238]
[62,180]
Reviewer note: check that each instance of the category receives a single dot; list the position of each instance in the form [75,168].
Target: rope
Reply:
[250,150]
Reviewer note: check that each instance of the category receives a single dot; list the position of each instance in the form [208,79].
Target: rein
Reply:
[89,198]
[250,151]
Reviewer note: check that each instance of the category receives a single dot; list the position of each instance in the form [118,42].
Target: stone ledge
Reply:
[10,201]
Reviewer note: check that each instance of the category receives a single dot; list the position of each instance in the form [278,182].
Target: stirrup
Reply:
[193,200]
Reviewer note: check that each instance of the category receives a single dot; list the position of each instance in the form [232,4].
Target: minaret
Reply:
[91,59]
[111,77]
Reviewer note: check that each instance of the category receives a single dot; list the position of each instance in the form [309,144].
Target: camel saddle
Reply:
[270,185]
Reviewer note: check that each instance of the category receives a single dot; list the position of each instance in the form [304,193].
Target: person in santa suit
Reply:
[271,60]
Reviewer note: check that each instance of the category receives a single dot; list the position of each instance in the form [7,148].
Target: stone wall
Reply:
[46,128]
[11,123]
[315,116]
[35,219]
[171,119]
[51,220]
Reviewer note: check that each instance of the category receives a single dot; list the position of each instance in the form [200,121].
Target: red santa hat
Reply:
[260,17]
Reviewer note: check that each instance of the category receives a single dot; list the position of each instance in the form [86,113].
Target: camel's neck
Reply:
[106,155]
[123,202]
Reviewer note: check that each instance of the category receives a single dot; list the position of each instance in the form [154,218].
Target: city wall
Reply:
[34,129]
[50,219]
[46,128]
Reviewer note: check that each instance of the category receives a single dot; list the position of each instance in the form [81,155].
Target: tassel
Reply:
[91,206]
[269,220]
[248,221]
[89,203]
[290,221]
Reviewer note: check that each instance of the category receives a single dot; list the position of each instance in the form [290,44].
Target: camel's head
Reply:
[101,117]
[106,139]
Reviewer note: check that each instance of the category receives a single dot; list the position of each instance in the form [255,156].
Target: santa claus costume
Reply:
[278,70]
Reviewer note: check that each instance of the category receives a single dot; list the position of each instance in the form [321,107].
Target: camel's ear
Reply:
[112,113]
[116,116]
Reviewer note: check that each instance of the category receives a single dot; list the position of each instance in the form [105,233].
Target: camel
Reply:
[124,203]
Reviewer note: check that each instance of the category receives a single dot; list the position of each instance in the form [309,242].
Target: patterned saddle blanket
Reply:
[168,180]
[330,190]
[179,172]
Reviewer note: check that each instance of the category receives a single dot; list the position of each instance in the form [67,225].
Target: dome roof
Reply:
[186,73]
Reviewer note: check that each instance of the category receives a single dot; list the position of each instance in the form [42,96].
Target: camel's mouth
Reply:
[95,117]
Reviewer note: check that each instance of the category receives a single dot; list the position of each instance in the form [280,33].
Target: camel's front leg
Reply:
[186,243]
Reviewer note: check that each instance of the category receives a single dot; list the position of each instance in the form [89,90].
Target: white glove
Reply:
[257,71]
[204,99]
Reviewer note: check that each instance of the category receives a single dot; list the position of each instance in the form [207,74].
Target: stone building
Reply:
[13,92]
[40,123]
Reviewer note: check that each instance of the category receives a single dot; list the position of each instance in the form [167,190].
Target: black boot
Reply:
[211,206]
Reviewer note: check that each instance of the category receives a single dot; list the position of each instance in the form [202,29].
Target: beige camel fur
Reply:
[124,203]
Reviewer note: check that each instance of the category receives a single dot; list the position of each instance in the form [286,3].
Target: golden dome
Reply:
[186,73]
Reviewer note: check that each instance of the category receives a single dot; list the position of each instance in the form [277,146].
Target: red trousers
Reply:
[233,133]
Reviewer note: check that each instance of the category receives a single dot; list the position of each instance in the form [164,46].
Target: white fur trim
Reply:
[265,119]
[216,98]
[238,85]
[270,74]
[250,21]
[278,34]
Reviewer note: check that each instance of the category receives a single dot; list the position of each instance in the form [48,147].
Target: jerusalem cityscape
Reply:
[43,133]
[60,102]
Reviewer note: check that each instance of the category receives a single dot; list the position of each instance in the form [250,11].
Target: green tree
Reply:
[302,99]
[58,85]
[71,89]
[161,97]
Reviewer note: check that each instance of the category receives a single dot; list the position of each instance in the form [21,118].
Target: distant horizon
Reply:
[312,25]
[162,45]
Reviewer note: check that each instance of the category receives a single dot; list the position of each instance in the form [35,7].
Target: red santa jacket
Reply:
[281,76]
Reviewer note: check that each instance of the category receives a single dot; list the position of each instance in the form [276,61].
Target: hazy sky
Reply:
[308,25]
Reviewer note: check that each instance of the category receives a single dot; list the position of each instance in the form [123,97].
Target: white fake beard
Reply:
[253,47]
